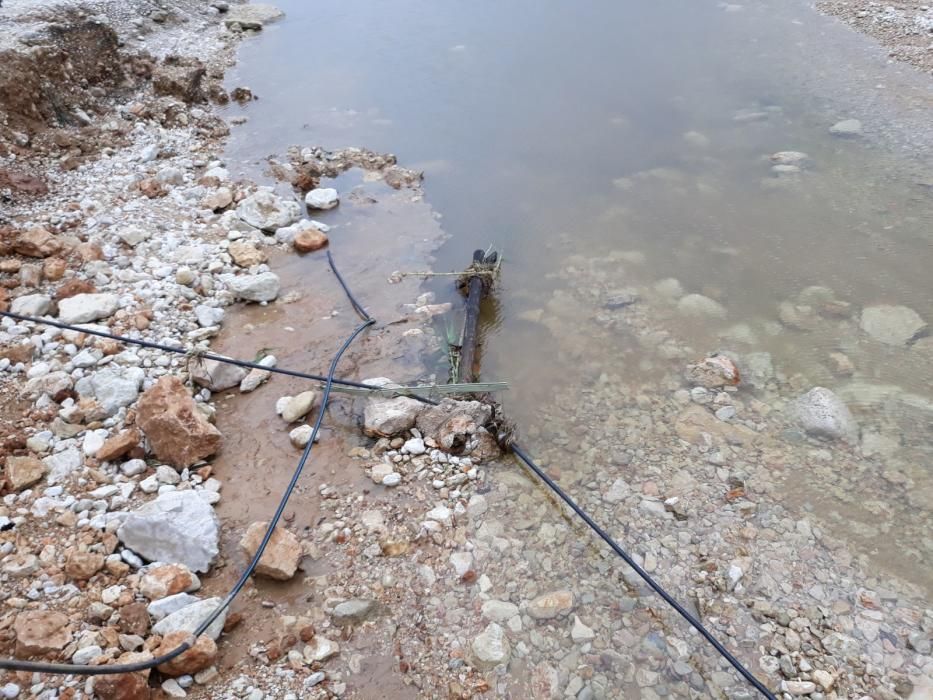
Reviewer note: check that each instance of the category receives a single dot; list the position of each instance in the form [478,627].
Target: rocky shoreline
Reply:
[413,560]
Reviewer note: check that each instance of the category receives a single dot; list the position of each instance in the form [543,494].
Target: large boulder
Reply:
[267,211]
[177,431]
[178,526]
[84,308]
[892,325]
[823,414]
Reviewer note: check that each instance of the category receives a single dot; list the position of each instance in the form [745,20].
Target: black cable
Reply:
[184,351]
[75,669]
[607,538]
[329,381]
[356,305]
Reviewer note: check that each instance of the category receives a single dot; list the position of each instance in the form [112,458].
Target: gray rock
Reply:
[178,526]
[353,611]
[262,287]
[581,633]
[216,375]
[823,414]
[112,388]
[84,308]
[847,127]
[168,605]
[267,211]
[892,325]
[491,648]
[384,417]
[85,655]
[31,305]
[189,617]
[499,610]
[322,198]
[208,315]
[63,463]
[251,16]
[699,306]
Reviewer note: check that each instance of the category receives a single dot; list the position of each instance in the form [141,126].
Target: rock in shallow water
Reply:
[892,325]
[699,306]
[322,198]
[823,414]
[267,211]
[178,526]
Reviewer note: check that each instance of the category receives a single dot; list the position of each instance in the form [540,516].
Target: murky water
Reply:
[606,146]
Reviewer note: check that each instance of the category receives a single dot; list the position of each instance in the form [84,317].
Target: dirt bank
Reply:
[905,29]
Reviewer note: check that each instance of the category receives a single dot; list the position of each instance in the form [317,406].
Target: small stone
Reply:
[22,472]
[847,127]
[491,648]
[322,198]
[892,325]
[190,617]
[295,407]
[41,632]
[83,565]
[283,552]
[31,305]
[320,649]
[551,605]
[798,687]
[84,308]
[462,563]
[198,657]
[309,239]
[301,436]
[245,254]
[353,611]
[712,372]
[216,375]
[499,611]
[699,306]
[823,414]
[392,479]
[580,633]
[167,579]
[171,688]
[119,445]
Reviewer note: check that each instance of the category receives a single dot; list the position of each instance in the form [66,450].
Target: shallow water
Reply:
[638,135]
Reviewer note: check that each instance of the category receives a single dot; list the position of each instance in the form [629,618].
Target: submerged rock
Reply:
[823,414]
[699,306]
[892,325]
[847,127]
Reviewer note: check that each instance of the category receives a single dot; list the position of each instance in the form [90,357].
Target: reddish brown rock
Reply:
[4,299]
[125,686]
[165,580]
[73,287]
[308,240]
[282,554]
[134,619]
[37,243]
[18,352]
[152,188]
[178,432]
[88,252]
[82,565]
[41,632]
[22,472]
[53,269]
[198,657]
[119,445]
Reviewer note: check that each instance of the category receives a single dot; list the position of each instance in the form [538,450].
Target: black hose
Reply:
[607,538]
[183,351]
[356,305]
